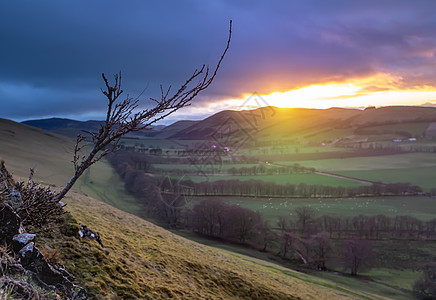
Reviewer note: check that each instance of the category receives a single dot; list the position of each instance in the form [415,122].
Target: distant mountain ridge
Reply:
[66,127]
[72,128]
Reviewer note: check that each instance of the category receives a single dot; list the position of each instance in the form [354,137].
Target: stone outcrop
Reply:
[31,261]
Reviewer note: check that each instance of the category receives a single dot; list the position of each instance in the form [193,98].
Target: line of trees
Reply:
[217,219]
[160,197]
[261,169]
[375,227]
[261,188]
[306,237]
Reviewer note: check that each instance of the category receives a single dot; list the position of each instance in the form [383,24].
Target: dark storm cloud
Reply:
[53,52]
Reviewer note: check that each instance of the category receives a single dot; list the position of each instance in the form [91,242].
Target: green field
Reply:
[423,177]
[51,155]
[398,161]
[421,207]
[415,168]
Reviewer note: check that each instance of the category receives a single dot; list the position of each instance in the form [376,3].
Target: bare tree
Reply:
[121,117]
[305,215]
[322,249]
[357,255]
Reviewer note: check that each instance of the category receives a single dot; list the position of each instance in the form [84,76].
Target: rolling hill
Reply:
[302,124]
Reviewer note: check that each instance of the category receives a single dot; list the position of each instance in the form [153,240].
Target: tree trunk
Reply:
[69,185]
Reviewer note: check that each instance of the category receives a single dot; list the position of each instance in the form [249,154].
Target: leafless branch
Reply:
[121,117]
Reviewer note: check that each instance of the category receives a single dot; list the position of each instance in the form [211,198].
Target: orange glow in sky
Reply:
[378,90]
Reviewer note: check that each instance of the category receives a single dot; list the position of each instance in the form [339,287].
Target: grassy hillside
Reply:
[49,154]
[146,261]
[25,147]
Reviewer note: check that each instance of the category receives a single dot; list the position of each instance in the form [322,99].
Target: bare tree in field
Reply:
[322,249]
[305,215]
[357,255]
[121,117]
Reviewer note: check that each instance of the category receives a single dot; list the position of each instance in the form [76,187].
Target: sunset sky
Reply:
[316,54]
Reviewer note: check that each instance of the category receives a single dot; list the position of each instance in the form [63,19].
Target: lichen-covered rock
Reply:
[9,223]
[21,240]
[27,254]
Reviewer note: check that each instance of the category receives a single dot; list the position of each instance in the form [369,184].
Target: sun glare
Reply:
[317,96]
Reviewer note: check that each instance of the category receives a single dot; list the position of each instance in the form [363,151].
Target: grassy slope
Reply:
[50,154]
[24,147]
[146,261]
